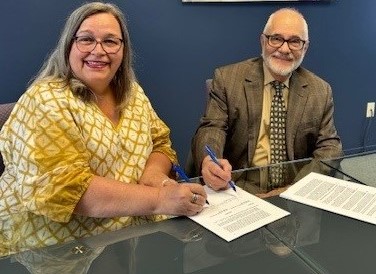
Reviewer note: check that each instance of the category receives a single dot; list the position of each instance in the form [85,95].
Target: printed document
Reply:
[232,214]
[339,196]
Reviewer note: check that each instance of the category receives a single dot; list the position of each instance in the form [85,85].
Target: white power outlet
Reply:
[370,109]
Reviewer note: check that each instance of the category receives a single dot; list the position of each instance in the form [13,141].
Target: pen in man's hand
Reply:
[215,160]
[182,175]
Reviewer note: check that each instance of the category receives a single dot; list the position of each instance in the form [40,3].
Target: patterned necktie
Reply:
[277,135]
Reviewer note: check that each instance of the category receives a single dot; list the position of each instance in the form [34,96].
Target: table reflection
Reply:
[71,257]
[255,180]
[166,251]
[300,228]
[359,167]
[179,245]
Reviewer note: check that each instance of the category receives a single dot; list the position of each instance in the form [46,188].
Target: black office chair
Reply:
[5,110]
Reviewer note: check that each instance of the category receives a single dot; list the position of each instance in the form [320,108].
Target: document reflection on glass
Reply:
[232,215]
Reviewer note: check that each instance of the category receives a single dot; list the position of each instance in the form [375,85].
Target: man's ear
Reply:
[306,46]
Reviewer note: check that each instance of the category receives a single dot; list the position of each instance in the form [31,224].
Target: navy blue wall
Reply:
[177,46]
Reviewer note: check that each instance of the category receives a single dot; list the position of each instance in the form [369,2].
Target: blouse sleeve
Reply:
[47,155]
[161,138]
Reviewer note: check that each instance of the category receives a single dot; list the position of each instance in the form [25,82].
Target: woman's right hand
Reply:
[185,199]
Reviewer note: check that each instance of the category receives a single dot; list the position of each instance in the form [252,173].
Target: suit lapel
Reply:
[253,89]
[298,96]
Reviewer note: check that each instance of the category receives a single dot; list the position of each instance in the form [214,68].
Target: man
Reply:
[237,122]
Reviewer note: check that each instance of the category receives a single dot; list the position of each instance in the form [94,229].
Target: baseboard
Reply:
[359,149]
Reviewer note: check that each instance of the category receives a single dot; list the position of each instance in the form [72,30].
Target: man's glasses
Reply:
[277,41]
[87,44]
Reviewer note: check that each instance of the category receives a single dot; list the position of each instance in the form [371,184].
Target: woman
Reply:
[83,148]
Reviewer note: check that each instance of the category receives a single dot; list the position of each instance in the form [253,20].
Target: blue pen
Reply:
[182,174]
[215,160]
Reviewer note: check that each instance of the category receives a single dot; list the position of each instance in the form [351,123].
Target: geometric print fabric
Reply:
[53,144]
[277,135]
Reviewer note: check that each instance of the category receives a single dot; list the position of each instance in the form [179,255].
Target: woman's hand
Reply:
[186,199]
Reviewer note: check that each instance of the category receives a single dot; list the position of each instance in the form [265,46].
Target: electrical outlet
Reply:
[370,109]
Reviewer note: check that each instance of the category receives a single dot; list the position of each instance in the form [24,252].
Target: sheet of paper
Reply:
[233,214]
[339,196]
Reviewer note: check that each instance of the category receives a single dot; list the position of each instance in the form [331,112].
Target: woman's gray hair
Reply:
[57,66]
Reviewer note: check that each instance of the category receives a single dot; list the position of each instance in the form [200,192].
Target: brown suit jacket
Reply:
[232,119]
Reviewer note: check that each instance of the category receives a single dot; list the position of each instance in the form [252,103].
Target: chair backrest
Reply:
[5,110]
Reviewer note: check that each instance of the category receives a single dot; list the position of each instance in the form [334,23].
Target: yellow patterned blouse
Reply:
[52,145]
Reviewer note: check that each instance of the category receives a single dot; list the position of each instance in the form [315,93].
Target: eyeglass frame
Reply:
[96,43]
[284,41]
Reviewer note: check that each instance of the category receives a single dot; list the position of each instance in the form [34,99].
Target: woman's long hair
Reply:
[57,66]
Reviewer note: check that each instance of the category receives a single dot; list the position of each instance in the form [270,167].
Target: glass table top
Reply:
[177,245]
[360,167]
[329,242]
[309,240]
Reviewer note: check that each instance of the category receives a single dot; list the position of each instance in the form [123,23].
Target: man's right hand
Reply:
[215,176]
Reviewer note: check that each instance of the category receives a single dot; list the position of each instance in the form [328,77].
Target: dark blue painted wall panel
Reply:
[177,46]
